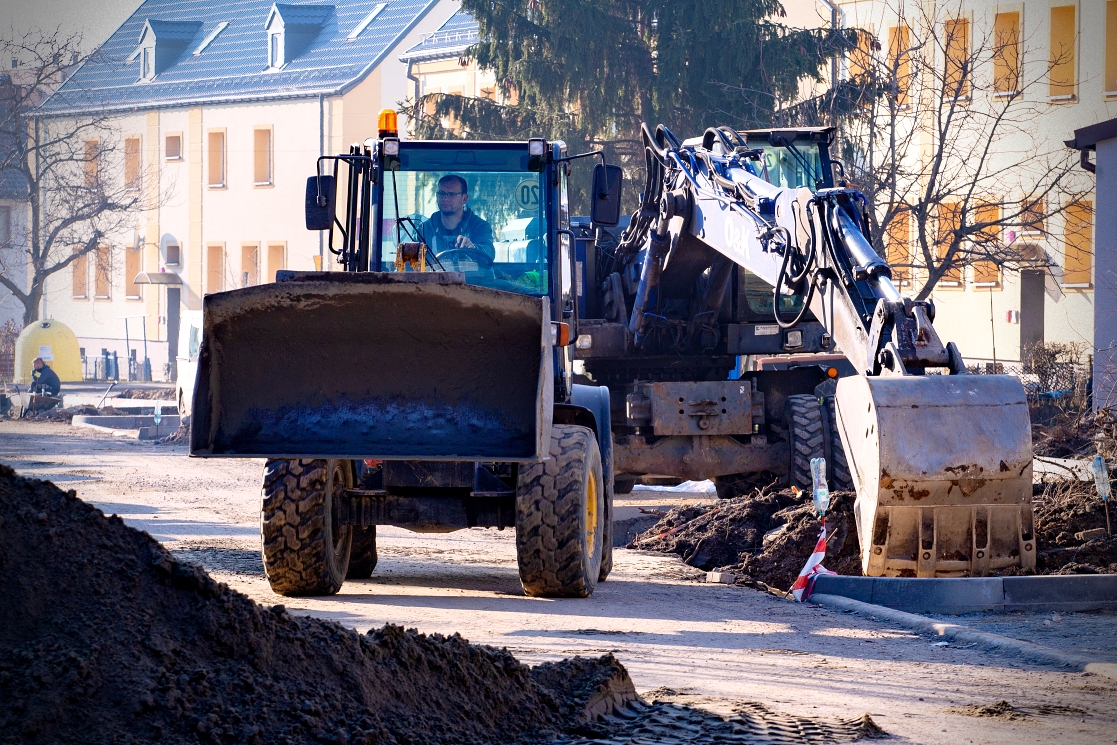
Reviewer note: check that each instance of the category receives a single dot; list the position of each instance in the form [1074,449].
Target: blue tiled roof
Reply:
[451,39]
[233,66]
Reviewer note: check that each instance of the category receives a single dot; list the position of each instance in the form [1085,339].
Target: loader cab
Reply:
[487,209]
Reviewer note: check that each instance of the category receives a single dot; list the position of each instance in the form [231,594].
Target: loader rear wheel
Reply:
[362,555]
[306,549]
[623,486]
[560,506]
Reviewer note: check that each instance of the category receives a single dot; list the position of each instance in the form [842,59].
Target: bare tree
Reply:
[69,172]
[943,142]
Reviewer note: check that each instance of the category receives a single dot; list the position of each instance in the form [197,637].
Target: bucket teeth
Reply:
[943,470]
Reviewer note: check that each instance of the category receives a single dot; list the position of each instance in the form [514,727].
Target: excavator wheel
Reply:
[804,427]
[623,486]
[306,550]
[837,467]
[560,513]
[362,556]
[810,425]
[739,484]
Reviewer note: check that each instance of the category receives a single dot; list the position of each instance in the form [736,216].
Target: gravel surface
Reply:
[668,629]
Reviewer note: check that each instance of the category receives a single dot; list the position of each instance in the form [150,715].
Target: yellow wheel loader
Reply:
[427,384]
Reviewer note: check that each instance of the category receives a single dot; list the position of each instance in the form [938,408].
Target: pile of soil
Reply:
[1063,509]
[107,638]
[730,535]
[149,394]
[180,436]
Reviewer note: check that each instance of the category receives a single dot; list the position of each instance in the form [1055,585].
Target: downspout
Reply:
[834,26]
[415,106]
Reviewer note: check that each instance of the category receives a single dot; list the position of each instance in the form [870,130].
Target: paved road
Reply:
[670,630]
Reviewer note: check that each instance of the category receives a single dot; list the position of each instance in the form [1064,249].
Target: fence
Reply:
[8,334]
[1047,381]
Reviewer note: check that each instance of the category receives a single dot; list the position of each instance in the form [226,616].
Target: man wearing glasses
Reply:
[455,227]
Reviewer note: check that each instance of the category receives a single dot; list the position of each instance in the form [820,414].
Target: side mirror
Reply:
[607,183]
[321,198]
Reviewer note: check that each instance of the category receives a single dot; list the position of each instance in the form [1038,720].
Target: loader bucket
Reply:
[409,366]
[943,470]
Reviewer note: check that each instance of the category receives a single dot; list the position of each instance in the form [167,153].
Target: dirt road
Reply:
[713,644]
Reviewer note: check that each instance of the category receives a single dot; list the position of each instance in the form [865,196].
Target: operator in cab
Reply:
[455,226]
[44,381]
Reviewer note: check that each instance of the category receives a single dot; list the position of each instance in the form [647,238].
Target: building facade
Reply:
[218,114]
[1061,57]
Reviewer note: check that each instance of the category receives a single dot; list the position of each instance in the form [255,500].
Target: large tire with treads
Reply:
[837,472]
[362,555]
[739,484]
[306,550]
[559,513]
[805,439]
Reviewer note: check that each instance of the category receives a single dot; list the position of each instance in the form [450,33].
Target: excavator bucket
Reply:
[943,470]
[405,366]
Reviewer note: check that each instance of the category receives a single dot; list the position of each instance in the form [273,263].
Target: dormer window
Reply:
[161,44]
[292,28]
[275,53]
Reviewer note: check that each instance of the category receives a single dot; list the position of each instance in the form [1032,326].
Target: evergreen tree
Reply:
[590,71]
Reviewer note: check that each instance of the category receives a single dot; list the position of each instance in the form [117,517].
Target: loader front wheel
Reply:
[560,509]
[362,556]
[306,549]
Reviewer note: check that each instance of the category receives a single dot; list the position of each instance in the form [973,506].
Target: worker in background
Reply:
[455,226]
[44,381]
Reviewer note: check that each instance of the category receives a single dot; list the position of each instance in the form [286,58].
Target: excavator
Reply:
[743,249]
[516,375]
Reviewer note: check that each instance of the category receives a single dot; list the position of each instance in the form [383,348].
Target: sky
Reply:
[94,19]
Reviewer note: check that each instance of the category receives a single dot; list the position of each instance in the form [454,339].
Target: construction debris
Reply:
[107,638]
[764,536]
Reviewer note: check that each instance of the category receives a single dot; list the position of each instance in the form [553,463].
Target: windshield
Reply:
[792,168]
[479,210]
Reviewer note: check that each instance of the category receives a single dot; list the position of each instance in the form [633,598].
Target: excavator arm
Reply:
[941,462]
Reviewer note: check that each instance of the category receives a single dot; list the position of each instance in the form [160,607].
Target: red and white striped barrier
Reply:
[801,590]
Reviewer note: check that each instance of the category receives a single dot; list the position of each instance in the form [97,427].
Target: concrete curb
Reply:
[958,595]
[1027,650]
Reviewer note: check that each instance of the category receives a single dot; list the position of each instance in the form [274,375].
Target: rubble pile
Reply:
[767,536]
[107,638]
[764,536]
[1071,534]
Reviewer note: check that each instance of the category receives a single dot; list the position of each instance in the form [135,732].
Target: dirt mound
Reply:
[149,394]
[765,536]
[180,436]
[1065,509]
[107,638]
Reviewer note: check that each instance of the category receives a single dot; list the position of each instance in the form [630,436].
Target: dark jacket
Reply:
[45,381]
[471,226]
